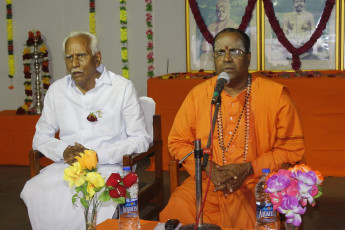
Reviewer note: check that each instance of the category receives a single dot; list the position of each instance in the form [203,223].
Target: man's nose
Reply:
[75,61]
[227,57]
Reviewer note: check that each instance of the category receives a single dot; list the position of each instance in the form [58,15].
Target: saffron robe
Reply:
[275,136]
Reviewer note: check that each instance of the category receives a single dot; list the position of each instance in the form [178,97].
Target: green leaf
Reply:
[120,200]
[128,194]
[74,198]
[104,196]
[84,202]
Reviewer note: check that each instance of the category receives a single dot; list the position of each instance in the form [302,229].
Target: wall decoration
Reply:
[149,36]
[92,16]
[124,38]
[300,34]
[217,15]
[11,66]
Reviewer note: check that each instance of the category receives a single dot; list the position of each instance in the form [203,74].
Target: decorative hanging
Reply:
[9,15]
[149,35]
[296,62]
[92,16]
[124,39]
[27,56]
[201,23]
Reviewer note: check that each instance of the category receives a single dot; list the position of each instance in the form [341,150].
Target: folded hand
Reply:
[71,152]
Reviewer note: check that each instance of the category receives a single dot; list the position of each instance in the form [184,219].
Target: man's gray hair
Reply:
[93,40]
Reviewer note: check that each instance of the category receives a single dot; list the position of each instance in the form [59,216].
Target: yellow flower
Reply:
[95,180]
[124,54]
[125,73]
[74,174]
[26,51]
[123,32]
[43,48]
[88,160]
[123,15]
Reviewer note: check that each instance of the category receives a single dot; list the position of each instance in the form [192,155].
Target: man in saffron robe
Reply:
[257,127]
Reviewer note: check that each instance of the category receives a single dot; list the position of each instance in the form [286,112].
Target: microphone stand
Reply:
[198,154]
[198,189]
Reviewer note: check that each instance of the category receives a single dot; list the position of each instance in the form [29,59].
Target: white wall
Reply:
[57,18]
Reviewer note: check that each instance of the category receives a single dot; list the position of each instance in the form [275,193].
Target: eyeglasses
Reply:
[234,53]
[80,57]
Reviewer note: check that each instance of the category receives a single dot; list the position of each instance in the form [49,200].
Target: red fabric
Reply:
[320,102]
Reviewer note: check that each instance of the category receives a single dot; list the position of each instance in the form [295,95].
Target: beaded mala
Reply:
[246,107]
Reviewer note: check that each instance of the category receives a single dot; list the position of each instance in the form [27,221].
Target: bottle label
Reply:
[130,206]
[265,210]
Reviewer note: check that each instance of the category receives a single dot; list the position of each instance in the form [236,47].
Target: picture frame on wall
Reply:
[298,20]
[217,15]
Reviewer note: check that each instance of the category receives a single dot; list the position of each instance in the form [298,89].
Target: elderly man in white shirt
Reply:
[117,128]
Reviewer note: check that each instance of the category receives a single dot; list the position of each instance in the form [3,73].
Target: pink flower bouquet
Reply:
[291,190]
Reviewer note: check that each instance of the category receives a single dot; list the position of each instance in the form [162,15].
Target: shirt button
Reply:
[231,118]
[230,132]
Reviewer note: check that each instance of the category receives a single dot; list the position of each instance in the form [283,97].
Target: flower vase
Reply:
[290,226]
[90,218]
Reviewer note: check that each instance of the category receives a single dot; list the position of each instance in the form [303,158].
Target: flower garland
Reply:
[11,69]
[149,36]
[124,38]
[92,15]
[296,62]
[201,23]
[27,55]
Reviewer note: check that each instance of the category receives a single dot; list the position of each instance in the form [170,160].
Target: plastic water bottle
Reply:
[129,211]
[266,218]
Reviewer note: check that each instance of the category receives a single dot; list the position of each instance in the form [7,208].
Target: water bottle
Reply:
[129,211]
[266,218]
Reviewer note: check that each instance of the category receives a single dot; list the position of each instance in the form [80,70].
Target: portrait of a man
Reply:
[217,15]
[298,19]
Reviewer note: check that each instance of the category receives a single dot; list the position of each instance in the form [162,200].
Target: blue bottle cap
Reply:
[126,168]
[266,170]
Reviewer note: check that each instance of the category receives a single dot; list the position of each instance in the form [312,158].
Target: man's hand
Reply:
[71,152]
[234,176]
[218,176]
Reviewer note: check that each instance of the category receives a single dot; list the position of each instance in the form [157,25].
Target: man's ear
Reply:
[98,57]
[249,55]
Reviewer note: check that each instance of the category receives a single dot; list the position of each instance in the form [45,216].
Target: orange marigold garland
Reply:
[27,57]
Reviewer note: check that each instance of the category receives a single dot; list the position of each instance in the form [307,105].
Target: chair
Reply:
[150,195]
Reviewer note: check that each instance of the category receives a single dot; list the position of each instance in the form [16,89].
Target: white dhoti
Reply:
[48,198]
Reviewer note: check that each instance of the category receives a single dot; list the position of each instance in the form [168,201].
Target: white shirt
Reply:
[120,127]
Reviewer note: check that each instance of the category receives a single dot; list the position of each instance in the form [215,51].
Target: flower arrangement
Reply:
[291,190]
[91,188]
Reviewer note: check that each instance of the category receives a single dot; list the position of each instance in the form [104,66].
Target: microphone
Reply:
[223,79]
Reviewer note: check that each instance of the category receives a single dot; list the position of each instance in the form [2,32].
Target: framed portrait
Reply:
[217,14]
[298,19]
